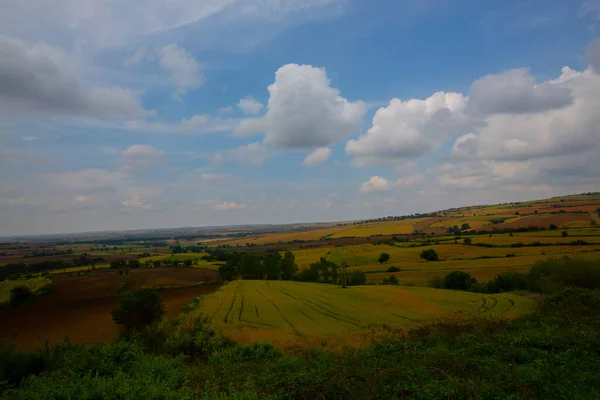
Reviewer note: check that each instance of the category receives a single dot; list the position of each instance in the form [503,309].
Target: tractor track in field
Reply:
[218,308]
[241,308]
[280,313]
[328,313]
[230,307]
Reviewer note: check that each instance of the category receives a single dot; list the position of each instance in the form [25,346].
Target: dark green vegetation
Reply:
[138,309]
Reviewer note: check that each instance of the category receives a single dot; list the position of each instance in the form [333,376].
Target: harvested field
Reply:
[80,306]
[544,221]
[256,310]
[147,277]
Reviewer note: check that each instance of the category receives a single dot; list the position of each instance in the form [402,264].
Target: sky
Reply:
[153,114]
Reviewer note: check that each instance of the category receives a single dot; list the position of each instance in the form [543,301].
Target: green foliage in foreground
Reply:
[553,354]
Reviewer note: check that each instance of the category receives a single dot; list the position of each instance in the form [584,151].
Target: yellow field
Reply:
[475,222]
[380,228]
[34,284]
[313,234]
[249,311]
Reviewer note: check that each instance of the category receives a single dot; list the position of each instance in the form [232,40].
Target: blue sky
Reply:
[163,114]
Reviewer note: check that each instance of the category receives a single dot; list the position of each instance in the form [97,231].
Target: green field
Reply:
[279,310]
[34,284]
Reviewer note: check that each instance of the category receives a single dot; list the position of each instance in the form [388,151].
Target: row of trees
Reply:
[250,266]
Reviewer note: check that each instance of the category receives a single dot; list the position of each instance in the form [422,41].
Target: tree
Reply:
[393,280]
[138,309]
[20,295]
[383,258]
[272,266]
[132,264]
[459,280]
[393,269]
[467,241]
[250,266]
[288,266]
[429,255]
[565,233]
[465,227]
[357,278]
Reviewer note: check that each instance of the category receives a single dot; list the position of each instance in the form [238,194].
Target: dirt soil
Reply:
[79,307]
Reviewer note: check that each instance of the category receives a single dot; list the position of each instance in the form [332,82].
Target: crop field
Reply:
[312,234]
[406,226]
[249,311]
[79,306]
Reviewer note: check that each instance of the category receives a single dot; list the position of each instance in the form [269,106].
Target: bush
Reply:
[505,282]
[138,309]
[357,278]
[459,280]
[393,269]
[565,233]
[509,255]
[467,241]
[549,276]
[429,255]
[20,295]
[383,258]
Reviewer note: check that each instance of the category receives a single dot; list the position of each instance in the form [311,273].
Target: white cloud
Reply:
[140,158]
[409,129]
[225,110]
[375,184]
[250,127]
[249,105]
[97,24]
[184,69]
[515,92]
[304,111]
[550,132]
[253,153]
[195,124]
[318,156]
[229,206]
[42,78]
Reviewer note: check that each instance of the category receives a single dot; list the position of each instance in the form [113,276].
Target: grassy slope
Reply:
[255,310]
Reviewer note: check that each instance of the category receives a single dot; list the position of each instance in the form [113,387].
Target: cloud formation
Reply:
[140,158]
[304,111]
[249,105]
[42,79]
[375,184]
[319,156]
[184,70]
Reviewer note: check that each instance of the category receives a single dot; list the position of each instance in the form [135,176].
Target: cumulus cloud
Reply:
[319,156]
[249,105]
[304,111]
[229,206]
[409,129]
[41,78]
[194,124]
[516,92]
[185,71]
[250,127]
[140,158]
[549,133]
[375,184]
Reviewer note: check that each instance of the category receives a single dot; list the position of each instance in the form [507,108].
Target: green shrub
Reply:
[429,255]
[357,278]
[505,282]
[20,295]
[458,280]
[138,309]
[393,269]
[549,276]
